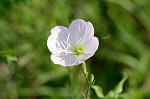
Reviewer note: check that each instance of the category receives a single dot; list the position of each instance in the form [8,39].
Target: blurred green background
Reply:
[26,71]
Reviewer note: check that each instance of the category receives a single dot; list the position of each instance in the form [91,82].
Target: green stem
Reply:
[71,83]
[85,74]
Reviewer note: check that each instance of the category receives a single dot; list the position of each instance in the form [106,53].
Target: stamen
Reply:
[68,44]
[78,40]
[64,45]
[78,51]
[68,37]
[59,45]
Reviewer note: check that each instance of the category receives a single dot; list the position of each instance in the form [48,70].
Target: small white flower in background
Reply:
[72,46]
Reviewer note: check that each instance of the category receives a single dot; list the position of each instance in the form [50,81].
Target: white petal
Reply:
[78,62]
[90,48]
[91,45]
[84,57]
[58,33]
[64,60]
[81,29]
[51,42]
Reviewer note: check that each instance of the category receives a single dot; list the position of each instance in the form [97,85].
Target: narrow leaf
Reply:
[119,87]
[98,90]
[91,78]
[84,69]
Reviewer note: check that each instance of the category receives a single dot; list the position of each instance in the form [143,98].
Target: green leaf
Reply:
[92,81]
[98,90]
[91,78]
[119,87]
[84,69]
[110,95]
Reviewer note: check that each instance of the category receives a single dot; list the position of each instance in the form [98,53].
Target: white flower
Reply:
[72,46]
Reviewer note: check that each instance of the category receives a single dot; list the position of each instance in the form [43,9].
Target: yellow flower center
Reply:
[78,51]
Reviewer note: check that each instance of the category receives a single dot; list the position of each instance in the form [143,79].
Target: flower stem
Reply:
[71,83]
[85,74]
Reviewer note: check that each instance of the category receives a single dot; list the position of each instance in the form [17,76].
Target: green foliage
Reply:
[112,94]
[122,26]
[98,90]
[119,87]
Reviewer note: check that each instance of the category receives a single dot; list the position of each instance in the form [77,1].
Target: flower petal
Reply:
[58,33]
[64,60]
[91,45]
[90,48]
[81,29]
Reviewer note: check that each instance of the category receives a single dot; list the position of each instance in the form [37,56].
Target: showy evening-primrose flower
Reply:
[72,46]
